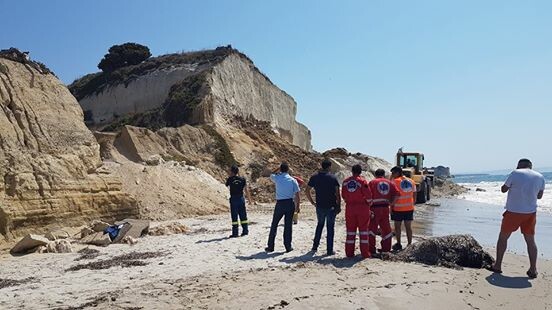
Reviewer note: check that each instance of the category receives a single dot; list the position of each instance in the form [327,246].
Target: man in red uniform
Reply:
[384,194]
[357,196]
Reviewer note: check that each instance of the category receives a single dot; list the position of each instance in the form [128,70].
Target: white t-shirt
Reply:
[524,184]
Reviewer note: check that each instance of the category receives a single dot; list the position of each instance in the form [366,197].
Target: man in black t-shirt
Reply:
[238,186]
[328,204]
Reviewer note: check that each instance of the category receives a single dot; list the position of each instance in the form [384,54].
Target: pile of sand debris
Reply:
[453,251]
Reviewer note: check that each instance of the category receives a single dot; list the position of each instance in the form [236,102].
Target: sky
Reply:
[468,83]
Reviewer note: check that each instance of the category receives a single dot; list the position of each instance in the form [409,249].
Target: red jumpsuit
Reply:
[357,196]
[383,193]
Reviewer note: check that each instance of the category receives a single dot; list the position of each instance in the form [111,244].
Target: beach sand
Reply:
[205,269]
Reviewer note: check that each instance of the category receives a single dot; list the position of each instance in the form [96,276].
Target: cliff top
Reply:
[97,82]
[16,55]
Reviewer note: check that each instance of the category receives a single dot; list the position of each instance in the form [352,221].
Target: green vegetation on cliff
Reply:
[124,55]
[177,110]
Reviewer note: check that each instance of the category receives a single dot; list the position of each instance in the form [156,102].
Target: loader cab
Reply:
[411,161]
[413,167]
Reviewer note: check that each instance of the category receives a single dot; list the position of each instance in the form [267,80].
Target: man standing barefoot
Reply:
[524,187]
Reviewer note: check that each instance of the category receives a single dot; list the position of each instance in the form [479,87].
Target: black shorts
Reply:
[402,216]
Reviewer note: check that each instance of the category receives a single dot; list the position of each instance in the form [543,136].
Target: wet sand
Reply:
[455,216]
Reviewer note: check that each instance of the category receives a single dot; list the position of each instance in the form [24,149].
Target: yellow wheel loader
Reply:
[413,167]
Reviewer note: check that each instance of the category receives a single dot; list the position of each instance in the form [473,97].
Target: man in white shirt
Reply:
[524,187]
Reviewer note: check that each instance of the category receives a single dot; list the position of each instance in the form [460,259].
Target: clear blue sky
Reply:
[469,83]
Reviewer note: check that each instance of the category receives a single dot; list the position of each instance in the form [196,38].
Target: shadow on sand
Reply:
[341,262]
[338,262]
[500,280]
[305,258]
[212,240]
[260,255]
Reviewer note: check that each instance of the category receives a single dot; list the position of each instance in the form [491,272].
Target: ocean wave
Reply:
[489,192]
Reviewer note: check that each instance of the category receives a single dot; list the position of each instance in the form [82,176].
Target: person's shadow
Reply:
[500,280]
[260,255]
[345,262]
[212,240]
[305,258]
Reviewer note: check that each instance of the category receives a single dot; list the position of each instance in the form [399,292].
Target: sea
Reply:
[479,213]
[489,189]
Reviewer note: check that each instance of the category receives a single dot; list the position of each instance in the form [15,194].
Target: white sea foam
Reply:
[493,195]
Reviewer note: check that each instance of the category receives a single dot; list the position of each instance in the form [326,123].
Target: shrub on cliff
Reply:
[124,55]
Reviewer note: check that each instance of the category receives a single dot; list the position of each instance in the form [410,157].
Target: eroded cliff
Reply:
[48,157]
[208,87]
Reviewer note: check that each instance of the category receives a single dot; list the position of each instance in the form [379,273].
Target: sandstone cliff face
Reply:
[233,87]
[48,157]
[238,89]
[144,93]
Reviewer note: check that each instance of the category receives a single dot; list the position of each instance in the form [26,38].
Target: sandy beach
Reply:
[204,269]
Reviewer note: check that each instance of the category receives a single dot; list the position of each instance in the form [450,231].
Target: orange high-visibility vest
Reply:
[407,190]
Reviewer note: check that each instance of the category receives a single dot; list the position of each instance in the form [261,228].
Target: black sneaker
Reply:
[244,234]
[269,250]
[289,250]
[233,236]
[397,247]
[330,253]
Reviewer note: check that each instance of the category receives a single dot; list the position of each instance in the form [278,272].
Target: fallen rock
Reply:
[154,160]
[169,229]
[86,231]
[97,238]
[99,226]
[59,246]
[29,243]
[136,229]
[57,234]
[129,240]
[453,251]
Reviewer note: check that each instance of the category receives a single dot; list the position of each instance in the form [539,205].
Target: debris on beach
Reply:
[169,229]
[132,259]
[56,246]
[11,282]
[97,233]
[97,238]
[87,253]
[29,243]
[57,234]
[453,251]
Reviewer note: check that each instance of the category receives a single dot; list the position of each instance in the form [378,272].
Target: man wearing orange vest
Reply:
[384,194]
[357,196]
[403,208]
